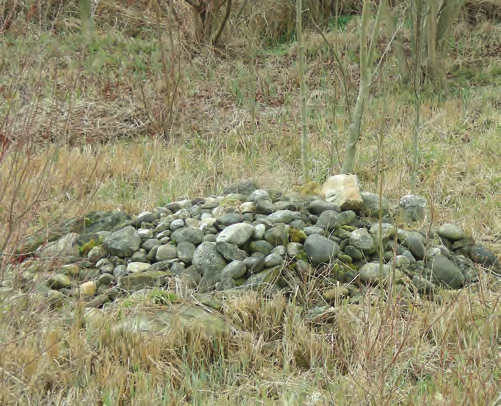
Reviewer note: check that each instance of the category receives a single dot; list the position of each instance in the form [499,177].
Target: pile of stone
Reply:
[251,238]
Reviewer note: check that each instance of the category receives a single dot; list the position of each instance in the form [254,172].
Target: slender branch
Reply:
[241,10]
[363,90]
[220,30]
[341,68]
[193,3]
[375,33]
[387,49]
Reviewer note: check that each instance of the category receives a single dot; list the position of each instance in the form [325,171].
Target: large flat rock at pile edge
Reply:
[263,279]
[184,316]
[65,246]
[143,280]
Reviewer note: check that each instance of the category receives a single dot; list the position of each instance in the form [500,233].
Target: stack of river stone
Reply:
[251,238]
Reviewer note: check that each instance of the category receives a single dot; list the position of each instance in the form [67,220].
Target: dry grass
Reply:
[367,353]
[64,89]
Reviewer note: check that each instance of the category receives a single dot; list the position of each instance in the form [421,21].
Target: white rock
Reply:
[343,190]
[137,267]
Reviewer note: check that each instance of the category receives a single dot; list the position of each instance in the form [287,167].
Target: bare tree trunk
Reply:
[305,147]
[399,50]
[366,69]
[448,15]
[204,12]
[241,10]
[419,17]
[431,20]
[85,9]
[434,26]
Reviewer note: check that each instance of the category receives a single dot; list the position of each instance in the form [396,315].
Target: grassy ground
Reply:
[130,147]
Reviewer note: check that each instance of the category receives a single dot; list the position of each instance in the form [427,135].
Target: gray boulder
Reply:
[446,273]
[362,240]
[210,262]
[451,232]
[413,208]
[260,194]
[264,207]
[245,187]
[123,243]
[320,249]
[185,251]
[230,252]
[65,246]
[282,216]
[261,246]
[318,206]
[371,207]
[263,279]
[166,252]
[234,270]
[278,235]
[372,273]
[190,234]
[481,255]
[328,220]
[237,234]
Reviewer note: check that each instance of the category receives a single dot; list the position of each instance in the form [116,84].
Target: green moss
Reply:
[161,297]
[240,282]
[88,274]
[302,256]
[342,272]
[88,221]
[297,235]
[84,249]
[345,258]
[352,267]
[348,228]
[230,202]
[309,189]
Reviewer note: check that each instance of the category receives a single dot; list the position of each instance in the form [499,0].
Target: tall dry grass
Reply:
[383,349]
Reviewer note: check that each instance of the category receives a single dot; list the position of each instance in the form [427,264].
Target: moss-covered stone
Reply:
[348,228]
[309,189]
[345,258]
[297,235]
[302,256]
[84,249]
[240,281]
[342,273]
